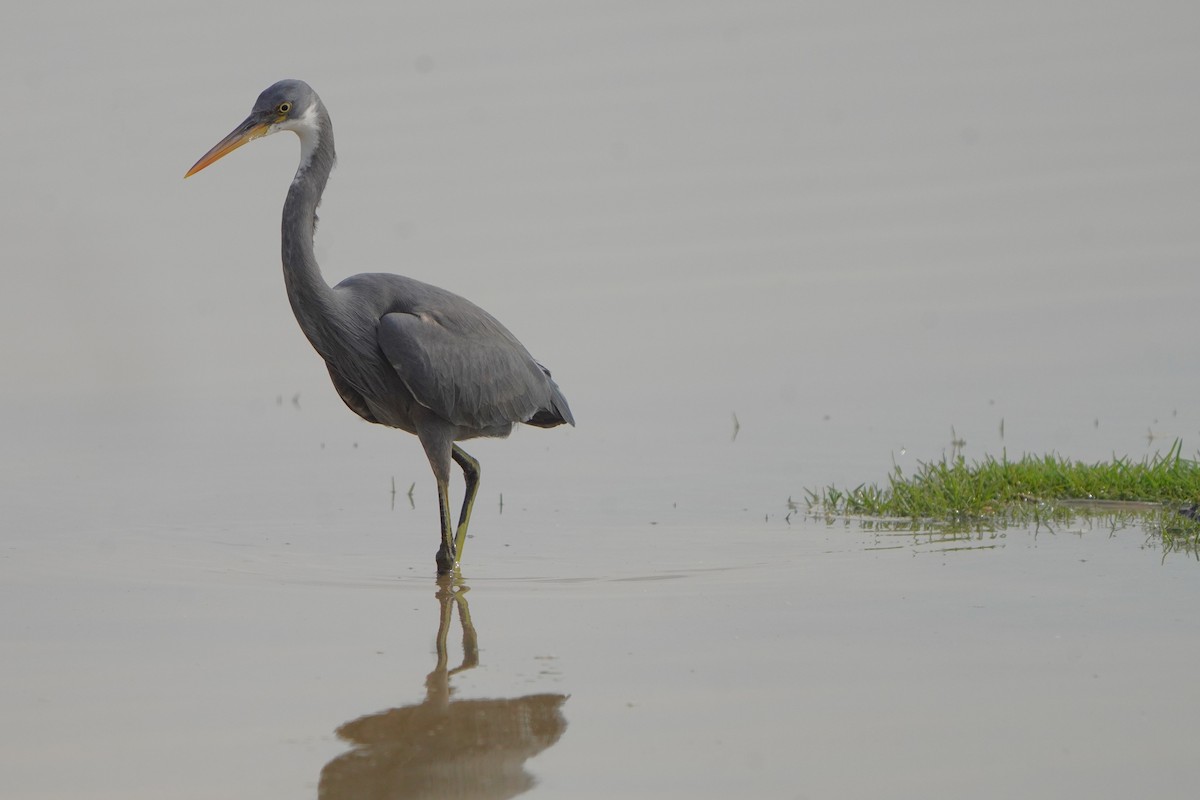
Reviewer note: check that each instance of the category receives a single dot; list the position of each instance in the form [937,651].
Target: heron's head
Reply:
[285,106]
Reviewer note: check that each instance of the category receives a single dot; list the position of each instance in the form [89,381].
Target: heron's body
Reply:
[400,352]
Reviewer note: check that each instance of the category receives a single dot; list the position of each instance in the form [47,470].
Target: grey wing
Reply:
[470,371]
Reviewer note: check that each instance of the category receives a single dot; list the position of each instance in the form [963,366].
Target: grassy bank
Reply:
[1160,491]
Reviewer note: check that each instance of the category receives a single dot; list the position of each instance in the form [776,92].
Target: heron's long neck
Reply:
[312,299]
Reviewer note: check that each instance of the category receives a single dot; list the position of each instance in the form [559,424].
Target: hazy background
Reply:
[855,226]
[900,216]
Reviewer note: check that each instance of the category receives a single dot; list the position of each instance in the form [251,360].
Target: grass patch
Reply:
[1159,492]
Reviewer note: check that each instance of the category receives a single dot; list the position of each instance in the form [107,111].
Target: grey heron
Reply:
[400,352]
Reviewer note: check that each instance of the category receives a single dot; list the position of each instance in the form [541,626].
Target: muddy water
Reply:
[849,230]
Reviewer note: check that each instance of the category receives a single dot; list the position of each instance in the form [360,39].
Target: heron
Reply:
[400,352]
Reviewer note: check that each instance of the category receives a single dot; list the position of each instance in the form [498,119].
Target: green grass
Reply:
[956,495]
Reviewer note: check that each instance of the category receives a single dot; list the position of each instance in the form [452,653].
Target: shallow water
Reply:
[850,229]
[696,656]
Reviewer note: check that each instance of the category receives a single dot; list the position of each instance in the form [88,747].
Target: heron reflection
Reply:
[443,747]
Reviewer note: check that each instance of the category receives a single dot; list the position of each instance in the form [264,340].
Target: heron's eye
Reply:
[283,108]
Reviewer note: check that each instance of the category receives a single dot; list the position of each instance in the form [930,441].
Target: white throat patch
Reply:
[309,132]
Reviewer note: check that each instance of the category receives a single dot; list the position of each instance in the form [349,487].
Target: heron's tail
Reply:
[556,412]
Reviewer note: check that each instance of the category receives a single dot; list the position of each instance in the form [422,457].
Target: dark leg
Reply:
[446,557]
[436,437]
[470,469]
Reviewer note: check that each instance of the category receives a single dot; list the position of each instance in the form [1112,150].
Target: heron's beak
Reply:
[248,131]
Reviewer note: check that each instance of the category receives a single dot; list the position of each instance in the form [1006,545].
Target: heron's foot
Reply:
[446,562]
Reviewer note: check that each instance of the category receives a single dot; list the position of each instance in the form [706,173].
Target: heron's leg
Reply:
[436,437]
[446,557]
[470,469]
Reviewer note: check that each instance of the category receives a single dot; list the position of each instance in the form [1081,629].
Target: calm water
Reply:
[854,229]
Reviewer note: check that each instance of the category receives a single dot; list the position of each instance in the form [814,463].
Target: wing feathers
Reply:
[470,370]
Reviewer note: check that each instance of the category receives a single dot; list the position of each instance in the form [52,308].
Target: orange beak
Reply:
[253,128]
